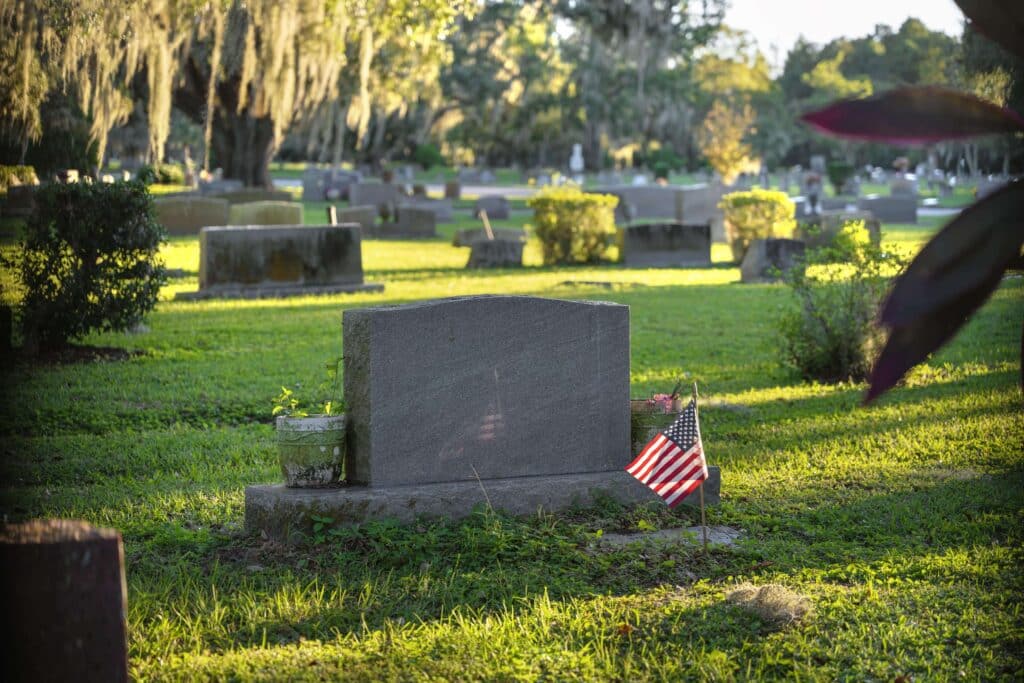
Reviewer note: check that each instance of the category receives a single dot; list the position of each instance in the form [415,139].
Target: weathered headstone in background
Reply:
[896,209]
[767,258]
[495,253]
[266,213]
[187,215]
[696,205]
[516,402]
[835,203]
[320,184]
[252,194]
[220,186]
[364,216]
[452,190]
[373,194]
[666,245]
[269,261]
[441,208]
[62,586]
[466,236]
[902,186]
[414,222]
[496,207]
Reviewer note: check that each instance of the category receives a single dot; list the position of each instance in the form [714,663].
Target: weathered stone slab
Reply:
[648,201]
[836,203]
[765,257]
[496,253]
[488,386]
[666,245]
[207,187]
[365,216]
[266,213]
[699,204]
[233,259]
[374,194]
[252,194]
[466,236]
[62,586]
[890,209]
[285,514]
[496,206]
[441,208]
[188,215]
[452,190]
[413,222]
[320,184]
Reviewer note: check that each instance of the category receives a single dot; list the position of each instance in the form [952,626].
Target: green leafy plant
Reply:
[164,174]
[573,226]
[838,173]
[959,268]
[756,214]
[88,261]
[428,155]
[831,332]
[328,400]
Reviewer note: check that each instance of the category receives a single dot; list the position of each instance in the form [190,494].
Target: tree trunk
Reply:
[244,146]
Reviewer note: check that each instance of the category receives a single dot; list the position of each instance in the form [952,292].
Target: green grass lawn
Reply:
[902,523]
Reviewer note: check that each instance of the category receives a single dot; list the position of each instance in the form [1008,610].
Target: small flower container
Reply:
[311,449]
[648,416]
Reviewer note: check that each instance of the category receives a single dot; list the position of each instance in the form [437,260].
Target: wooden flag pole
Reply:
[703,520]
[487,225]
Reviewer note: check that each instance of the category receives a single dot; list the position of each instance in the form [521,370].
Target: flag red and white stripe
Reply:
[672,464]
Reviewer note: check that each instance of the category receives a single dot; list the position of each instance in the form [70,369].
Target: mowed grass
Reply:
[901,522]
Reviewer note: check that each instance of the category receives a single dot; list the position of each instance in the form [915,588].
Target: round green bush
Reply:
[428,156]
[88,261]
[756,214]
[573,226]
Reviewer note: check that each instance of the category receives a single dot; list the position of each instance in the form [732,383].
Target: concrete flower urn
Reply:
[311,450]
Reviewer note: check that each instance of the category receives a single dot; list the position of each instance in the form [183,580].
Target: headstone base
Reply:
[271,292]
[283,514]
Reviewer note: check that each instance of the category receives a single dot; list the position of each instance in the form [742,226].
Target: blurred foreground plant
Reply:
[963,264]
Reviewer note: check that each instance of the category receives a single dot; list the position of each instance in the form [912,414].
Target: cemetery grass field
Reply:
[901,523]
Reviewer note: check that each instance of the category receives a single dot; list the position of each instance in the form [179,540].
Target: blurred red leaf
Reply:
[953,275]
[919,115]
[1003,22]
[985,238]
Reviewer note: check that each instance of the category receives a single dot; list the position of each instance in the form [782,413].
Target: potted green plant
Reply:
[311,446]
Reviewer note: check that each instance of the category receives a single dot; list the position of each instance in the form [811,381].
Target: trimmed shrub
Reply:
[838,173]
[661,170]
[17,175]
[163,174]
[830,332]
[756,214]
[573,226]
[88,261]
[428,156]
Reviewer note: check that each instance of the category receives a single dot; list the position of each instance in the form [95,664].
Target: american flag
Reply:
[672,464]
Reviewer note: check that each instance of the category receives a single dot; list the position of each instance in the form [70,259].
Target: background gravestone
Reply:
[220,186]
[466,236]
[187,215]
[64,600]
[266,213]
[255,261]
[373,194]
[896,209]
[252,194]
[496,253]
[767,258]
[496,207]
[441,208]
[364,216]
[696,205]
[669,245]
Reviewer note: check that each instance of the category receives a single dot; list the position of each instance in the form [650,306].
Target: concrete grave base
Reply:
[277,291]
[283,514]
